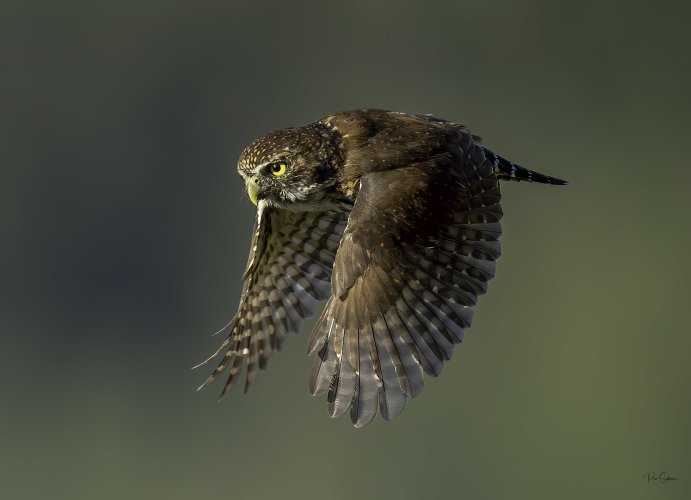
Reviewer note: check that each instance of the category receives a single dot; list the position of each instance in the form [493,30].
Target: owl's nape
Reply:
[395,219]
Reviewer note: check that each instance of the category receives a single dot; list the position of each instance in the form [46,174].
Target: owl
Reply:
[392,219]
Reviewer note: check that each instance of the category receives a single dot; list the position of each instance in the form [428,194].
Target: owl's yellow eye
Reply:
[278,168]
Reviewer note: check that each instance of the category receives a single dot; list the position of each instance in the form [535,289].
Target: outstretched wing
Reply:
[288,273]
[420,245]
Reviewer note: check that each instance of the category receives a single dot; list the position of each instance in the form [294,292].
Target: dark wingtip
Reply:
[557,182]
[509,171]
[522,174]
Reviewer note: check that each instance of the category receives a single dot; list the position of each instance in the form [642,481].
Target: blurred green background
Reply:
[125,231]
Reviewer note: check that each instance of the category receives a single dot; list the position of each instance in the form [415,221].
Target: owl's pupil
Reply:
[276,167]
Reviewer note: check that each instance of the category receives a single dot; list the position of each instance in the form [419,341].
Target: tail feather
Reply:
[509,171]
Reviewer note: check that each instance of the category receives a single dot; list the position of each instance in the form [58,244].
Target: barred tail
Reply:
[509,171]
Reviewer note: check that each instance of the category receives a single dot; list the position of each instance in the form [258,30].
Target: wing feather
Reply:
[288,273]
[420,246]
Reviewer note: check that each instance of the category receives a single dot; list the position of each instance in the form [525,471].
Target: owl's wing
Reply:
[288,273]
[420,245]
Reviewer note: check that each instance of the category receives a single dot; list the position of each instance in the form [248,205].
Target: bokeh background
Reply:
[124,232]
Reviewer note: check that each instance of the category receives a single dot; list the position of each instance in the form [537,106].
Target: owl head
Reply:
[291,168]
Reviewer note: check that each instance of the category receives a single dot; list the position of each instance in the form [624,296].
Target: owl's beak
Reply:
[252,185]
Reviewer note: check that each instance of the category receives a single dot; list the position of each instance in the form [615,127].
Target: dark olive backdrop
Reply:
[125,230]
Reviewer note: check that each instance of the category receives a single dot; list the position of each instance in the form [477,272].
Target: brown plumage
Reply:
[395,219]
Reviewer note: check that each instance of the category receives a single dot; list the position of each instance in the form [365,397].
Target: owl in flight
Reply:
[393,220]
